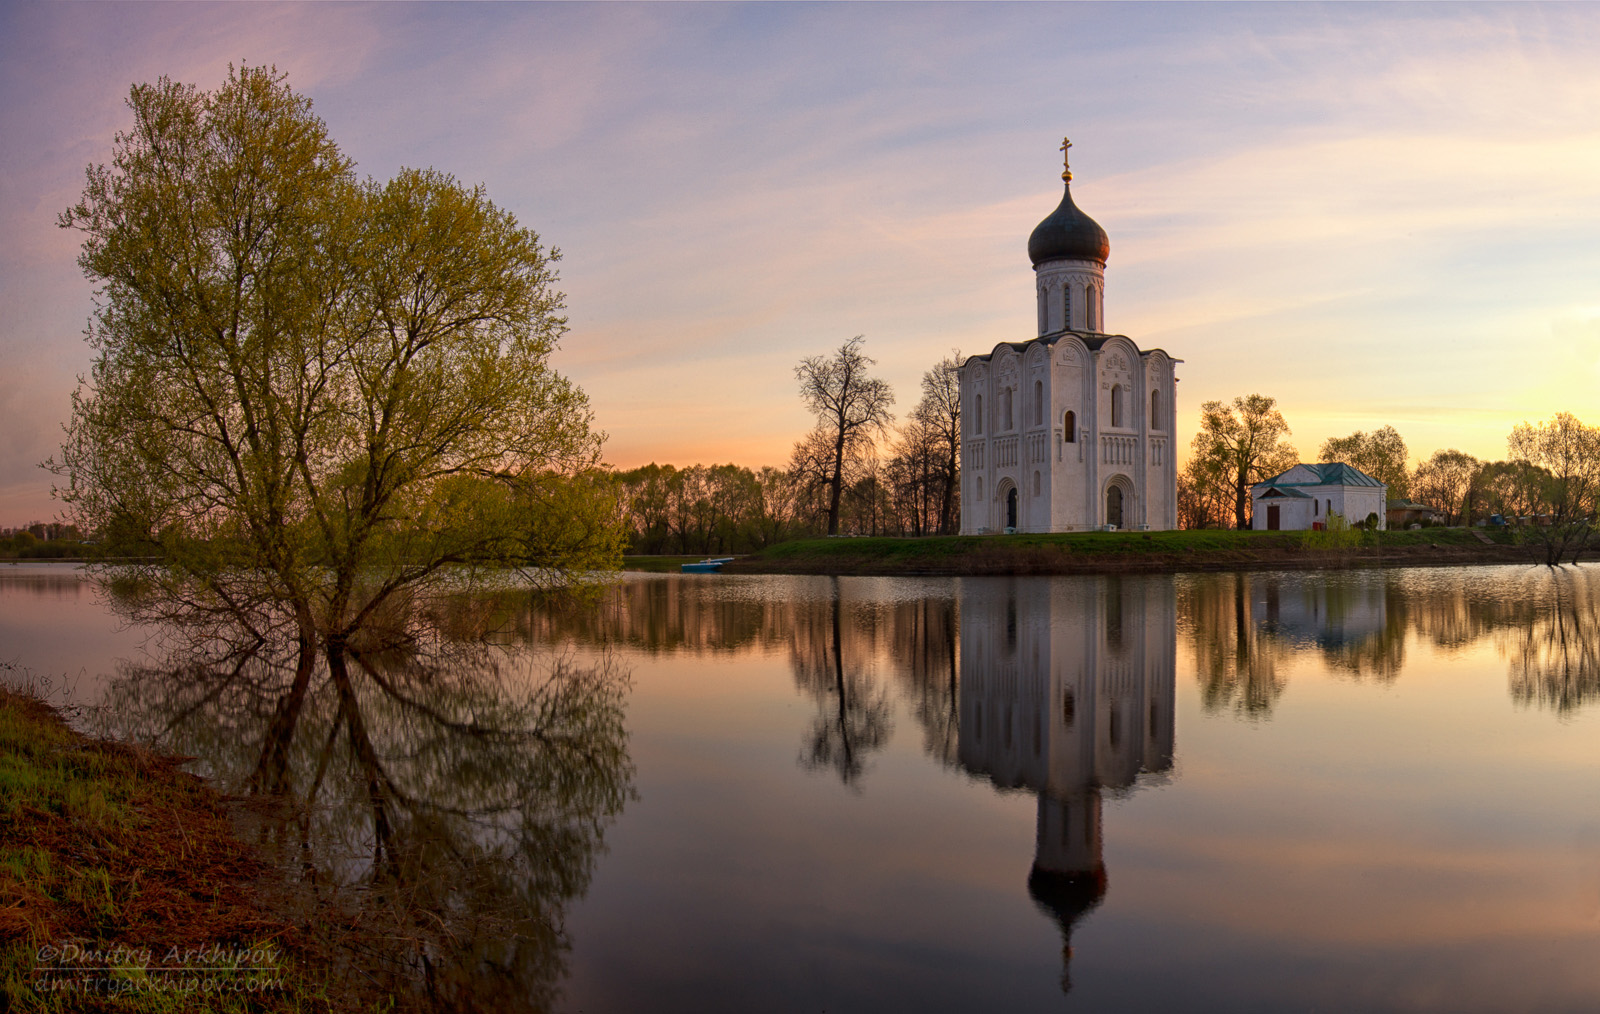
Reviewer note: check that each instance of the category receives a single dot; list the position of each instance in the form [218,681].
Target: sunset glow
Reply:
[1379,215]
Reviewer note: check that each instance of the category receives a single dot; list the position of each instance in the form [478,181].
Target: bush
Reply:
[1337,535]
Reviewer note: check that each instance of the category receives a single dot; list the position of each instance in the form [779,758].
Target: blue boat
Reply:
[711,565]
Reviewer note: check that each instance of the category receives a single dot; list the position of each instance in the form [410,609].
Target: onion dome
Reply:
[1068,234]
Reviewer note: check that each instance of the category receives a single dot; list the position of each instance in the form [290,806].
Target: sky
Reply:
[1376,214]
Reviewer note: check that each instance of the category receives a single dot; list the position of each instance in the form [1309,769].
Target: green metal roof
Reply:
[1333,473]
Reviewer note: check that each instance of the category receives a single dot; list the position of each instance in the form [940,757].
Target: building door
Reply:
[1011,507]
[1272,517]
[1114,506]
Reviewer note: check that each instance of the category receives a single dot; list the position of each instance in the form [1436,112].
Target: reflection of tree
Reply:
[451,796]
[853,718]
[1242,627]
[1236,664]
[1364,630]
[1555,650]
[912,636]
[924,643]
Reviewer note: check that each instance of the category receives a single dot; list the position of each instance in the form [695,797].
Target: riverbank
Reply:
[1129,553]
[125,888]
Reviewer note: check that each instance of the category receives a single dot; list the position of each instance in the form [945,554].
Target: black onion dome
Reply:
[1068,234]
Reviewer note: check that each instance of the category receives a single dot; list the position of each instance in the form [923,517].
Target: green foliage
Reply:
[1555,469]
[1381,454]
[311,389]
[1236,447]
[1336,534]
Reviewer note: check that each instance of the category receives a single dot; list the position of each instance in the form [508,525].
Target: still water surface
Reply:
[1375,790]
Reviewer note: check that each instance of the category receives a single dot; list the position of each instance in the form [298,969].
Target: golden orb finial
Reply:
[1066,169]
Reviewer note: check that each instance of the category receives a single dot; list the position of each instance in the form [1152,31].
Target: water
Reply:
[1376,790]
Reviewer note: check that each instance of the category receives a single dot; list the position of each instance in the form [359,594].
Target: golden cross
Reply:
[1066,170]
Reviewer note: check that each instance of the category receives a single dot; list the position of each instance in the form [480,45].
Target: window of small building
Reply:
[1069,428]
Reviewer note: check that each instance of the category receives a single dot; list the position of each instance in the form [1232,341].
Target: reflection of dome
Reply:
[1066,898]
[1068,234]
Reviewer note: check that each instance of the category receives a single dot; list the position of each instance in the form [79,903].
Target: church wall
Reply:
[1072,390]
[1062,486]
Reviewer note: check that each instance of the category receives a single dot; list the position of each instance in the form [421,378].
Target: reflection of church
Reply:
[1067,689]
[1074,428]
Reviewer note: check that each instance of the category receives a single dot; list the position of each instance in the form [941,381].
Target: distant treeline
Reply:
[712,509]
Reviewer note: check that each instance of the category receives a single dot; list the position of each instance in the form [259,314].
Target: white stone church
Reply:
[1073,429]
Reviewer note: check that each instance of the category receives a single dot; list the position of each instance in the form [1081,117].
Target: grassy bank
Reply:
[124,888]
[1124,552]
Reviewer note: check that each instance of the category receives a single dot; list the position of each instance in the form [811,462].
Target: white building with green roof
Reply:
[1301,498]
[1074,428]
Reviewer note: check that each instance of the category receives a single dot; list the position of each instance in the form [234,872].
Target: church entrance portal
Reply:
[1114,506]
[1011,507]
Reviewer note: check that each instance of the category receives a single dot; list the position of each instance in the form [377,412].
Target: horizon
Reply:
[1377,216]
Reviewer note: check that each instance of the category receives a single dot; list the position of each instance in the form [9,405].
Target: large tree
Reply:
[852,410]
[313,393]
[1568,453]
[938,417]
[1237,446]
[1381,454]
[1445,481]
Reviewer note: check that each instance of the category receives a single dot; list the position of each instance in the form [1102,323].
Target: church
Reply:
[1071,430]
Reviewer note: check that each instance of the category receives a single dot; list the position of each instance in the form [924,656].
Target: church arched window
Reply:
[1155,410]
[1116,405]
[1006,402]
[1038,403]
[1044,311]
[977,416]
[1069,428]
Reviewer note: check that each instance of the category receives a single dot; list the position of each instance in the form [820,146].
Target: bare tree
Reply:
[852,410]
[939,413]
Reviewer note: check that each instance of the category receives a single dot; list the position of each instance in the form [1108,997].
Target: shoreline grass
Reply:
[1125,552]
[124,888]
